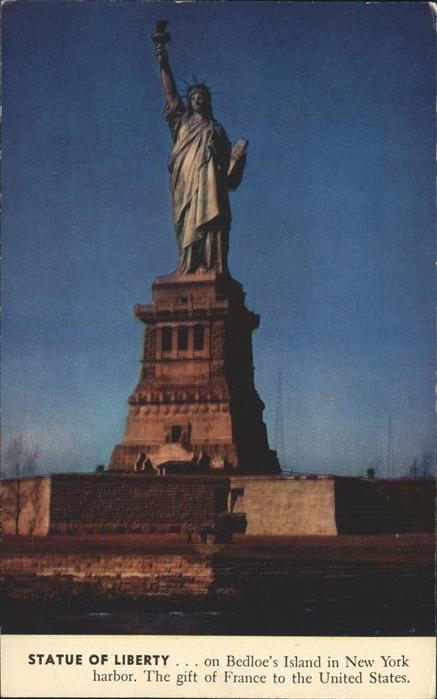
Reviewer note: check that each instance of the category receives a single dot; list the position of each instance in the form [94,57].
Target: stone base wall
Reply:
[366,506]
[112,577]
[118,503]
[122,503]
[284,505]
[314,584]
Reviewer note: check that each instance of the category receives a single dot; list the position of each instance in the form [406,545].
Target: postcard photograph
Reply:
[177,176]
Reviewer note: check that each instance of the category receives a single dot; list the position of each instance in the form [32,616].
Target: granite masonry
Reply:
[195,408]
[118,503]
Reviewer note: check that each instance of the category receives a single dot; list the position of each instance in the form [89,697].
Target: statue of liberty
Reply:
[203,170]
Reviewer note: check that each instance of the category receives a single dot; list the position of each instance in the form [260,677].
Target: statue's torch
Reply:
[161,36]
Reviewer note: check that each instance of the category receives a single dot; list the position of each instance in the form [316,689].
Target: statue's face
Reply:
[198,101]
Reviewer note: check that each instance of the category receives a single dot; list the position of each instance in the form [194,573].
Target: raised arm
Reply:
[167,79]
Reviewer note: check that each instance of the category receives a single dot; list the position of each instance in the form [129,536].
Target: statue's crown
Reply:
[198,86]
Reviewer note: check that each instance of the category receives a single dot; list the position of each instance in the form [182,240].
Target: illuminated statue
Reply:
[203,169]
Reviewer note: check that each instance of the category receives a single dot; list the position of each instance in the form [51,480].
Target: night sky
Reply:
[333,225]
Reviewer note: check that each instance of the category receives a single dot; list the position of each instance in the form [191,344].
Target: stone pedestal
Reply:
[195,408]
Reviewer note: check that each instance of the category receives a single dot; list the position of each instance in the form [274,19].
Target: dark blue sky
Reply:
[333,226]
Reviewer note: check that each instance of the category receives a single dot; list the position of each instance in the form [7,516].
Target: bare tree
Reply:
[427,466]
[20,462]
[414,469]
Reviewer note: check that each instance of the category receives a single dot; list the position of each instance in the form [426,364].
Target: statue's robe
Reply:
[198,168]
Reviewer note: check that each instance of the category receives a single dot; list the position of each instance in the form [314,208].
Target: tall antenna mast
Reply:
[389,447]
[279,426]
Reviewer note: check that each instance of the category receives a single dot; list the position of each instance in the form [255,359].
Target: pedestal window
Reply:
[166,339]
[198,337]
[182,338]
